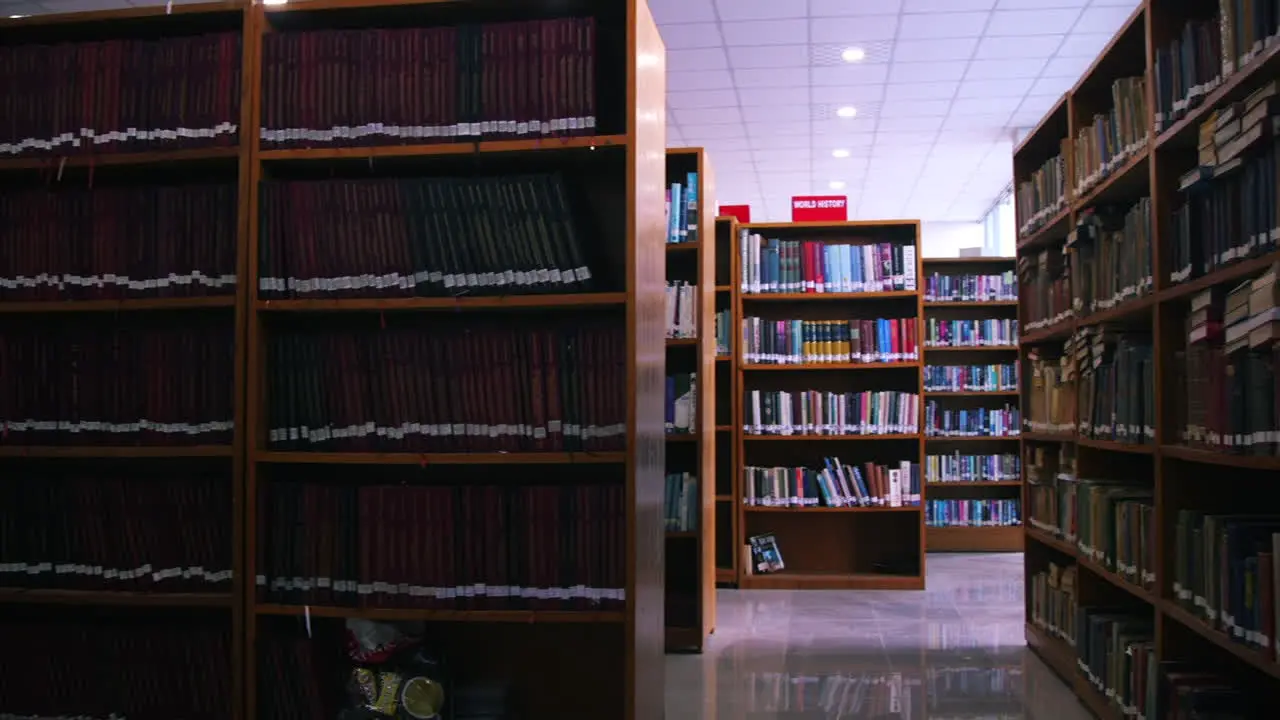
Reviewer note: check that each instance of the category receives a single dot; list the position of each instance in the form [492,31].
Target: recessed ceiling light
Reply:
[836,184]
[15,17]
[853,54]
[840,153]
[847,111]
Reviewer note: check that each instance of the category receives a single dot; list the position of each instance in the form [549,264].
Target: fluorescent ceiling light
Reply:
[840,153]
[847,111]
[836,184]
[853,54]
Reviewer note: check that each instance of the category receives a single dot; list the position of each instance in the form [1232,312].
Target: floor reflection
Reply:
[955,650]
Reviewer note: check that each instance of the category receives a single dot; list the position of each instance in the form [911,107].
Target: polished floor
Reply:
[955,650]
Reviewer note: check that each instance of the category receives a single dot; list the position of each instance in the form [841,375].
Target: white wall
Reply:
[944,239]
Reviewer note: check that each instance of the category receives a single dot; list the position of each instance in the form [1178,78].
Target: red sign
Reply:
[742,212]
[819,208]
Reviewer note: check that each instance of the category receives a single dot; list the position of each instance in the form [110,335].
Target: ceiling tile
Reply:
[690,35]
[733,10]
[852,30]
[699,80]
[1103,19]
[896,109]
[934,50]
[1067,67]
[917,123]
[702,99]
[722,143]
[851,137]
[767,128]
[831,8]
[700,59]
[771,77]
[1039,4]
[1015,88]
[732,159]
[1053,86]
[859,96]
[765,32]
[708,132]
[849,75]
[999,69]
[1016,48]
[921,91]
[1082,44]
[1026,23]
[769,56]
[678,11]
[708,116]
[926,72]
[943,25]
[765,113]
[875,51]
[795,95]
[931,6]
[782,142]
[993,106]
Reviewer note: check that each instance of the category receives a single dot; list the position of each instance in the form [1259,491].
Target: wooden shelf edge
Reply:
[1132,307]
[151,157]
[972,438]
[970,348]
[830,510]
[1209,457]
[1248,75]
[1049,436]
[1042,235]
[967,484]
[973,539]
[114,598]
[128,305]
[1256,658]
[832,581]
[831,366]
[971,304]
[1228,273]
[1116,446]
[775,438]
[1047,539]
[1058,331]
[118,451]
[451,304]
[969,260]
[442,149]
[971,393]
[487,616]
[803,297]
[1090,198]
[372,458]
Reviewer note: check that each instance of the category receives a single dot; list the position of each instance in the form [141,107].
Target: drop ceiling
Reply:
[939,93]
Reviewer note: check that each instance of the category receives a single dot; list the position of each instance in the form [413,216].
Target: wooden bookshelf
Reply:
[728,548]
[1179,477]
[1001,315]
[690,552]
[878,547]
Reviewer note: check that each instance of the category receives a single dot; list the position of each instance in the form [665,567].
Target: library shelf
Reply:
[1062,437]
[1132,309]
[724,288]
[118,306]
[1048,539]
[726,575]
[765,367]
[690,586]
[424,459]
[974,484]
[975,259]
[1254,657]
[150,158]
[785,580]
[971,438]
[107,598]
[1267,463]
[725,478]
[121,15]
[1234,88]
[427,150]
[451,616]
[1053,230]
[1052,333]
[970,348]
[1116,446]
[724,498]
[971,303]
[823,438]
[450,304]
[825,510]
[970,393]
[724,358]
[1119,184]
[1231,273]
[973,539]
[116,451]
[1055,653]
[828,297]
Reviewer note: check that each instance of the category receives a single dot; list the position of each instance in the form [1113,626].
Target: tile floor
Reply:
[954,650]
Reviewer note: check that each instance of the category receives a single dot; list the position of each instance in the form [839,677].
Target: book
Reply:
[959,467]
[1053,601]
[724,332]
[766,556]
[448,384]
[1051,490]
[682,310]
[969,287]
[1051,392]
[767,341]
[682,506]
[971,378]
[682,211]
[431,237]
[1115,649]
[1045,290]
[133,95]
[983,332]
[681,404]
[1111,262]
[1187,69]
[1112,138]
[1113,524]
[1117,386]
[406,85]
[942,421]
[1042,195]
[834,484]
[815,266]
[972,513]
[117,243]
[819,412]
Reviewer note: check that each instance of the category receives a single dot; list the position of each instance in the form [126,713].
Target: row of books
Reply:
[1051,489]
[118,381]
[958,467]
[804,342]
[815,266]
[724,332]
[1113,137]
[1053,600]
[972,513]
[108,529]
[448,385]
[1113,523]
[1111,262]
[682,505]
[834,485]
[412,85]
[942,421]
[681,404]
[682,310]
[474,546]
[289,676]
[82,667]
[1187,69]
[120,95]
[1231,401]
[1116,652]
[971,378]
[494,235]
[1117,386]
[949,287]
[985,332]
[1227,208]
[1042,195]
[682,210]
[1045,288]
[1051,390]
[822,412]
[118,242]
[1226,573]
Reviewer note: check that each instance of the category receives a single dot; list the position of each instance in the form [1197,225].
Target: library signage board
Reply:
[741,212]
[819,208]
